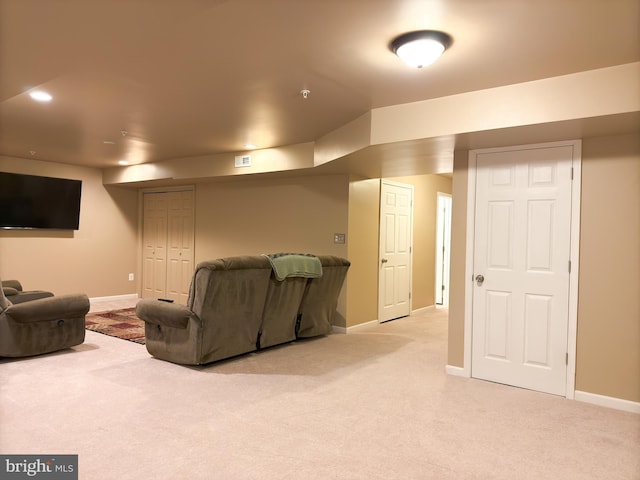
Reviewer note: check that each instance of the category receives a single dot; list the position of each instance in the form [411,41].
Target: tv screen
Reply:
[29,201]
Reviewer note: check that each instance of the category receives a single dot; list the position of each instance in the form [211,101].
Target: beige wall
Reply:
[95,259]
[608,347]
[608,339]
[455,353]
[251,217]
[364,216]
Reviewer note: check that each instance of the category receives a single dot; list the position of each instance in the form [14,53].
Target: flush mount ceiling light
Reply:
[40,96]
[420,48]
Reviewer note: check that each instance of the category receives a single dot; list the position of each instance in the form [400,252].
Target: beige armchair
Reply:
[43,325]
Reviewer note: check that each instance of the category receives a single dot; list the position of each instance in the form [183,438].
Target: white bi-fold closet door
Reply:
[167,244]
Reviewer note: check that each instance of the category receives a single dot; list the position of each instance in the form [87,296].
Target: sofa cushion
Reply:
[319,304]
[29,296]
[281,310]
[13,289]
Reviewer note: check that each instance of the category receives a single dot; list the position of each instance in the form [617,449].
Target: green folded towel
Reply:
[295,265]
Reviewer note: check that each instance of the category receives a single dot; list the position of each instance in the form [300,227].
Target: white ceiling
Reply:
[198,77]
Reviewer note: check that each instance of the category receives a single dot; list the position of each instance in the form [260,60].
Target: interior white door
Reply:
[443,246]
[180,245]
[396,223]
[521,267]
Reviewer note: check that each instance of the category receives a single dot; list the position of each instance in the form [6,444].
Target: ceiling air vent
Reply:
[243,161]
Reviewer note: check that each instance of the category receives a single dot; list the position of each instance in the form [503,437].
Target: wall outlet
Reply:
[131,277]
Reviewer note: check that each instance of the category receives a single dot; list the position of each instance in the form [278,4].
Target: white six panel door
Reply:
[522,249]
[396,204]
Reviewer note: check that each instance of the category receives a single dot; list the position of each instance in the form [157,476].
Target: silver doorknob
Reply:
[384,260]
[479,279]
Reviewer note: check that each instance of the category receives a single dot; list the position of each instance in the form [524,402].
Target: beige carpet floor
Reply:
[375,404]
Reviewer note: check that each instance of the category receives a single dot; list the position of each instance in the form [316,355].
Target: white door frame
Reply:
[443,220]
[574,255]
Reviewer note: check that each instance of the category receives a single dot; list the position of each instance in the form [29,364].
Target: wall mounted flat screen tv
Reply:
[29,201]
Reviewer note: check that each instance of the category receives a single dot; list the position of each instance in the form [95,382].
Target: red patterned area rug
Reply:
[117,323]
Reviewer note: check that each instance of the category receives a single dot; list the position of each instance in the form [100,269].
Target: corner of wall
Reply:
[455,354]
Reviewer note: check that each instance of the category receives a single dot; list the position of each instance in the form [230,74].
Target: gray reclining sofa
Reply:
[238,305]
[38,324]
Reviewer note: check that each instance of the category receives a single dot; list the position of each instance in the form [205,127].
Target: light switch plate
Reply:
[339,238]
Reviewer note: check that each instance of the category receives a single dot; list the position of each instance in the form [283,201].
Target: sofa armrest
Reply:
[163,313]
[50,308]
[15,284]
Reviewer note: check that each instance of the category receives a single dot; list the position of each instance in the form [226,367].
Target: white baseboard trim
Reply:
[115,298]
[337,329]
[455,371]
[610,402]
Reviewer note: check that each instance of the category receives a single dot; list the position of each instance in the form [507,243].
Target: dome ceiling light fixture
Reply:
[420,48]
[41,96]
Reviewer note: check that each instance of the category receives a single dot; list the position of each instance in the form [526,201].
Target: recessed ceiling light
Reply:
[40,96]
[250,146]
[123,162]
